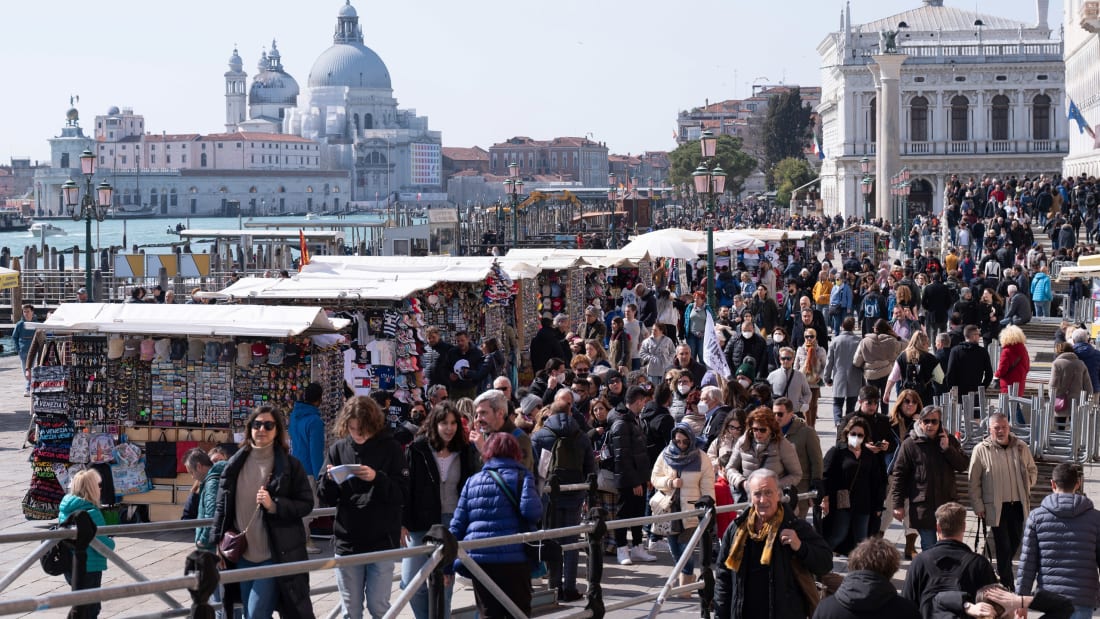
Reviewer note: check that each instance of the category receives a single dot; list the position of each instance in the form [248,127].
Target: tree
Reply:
[785,131]
[791,173]
[728,154]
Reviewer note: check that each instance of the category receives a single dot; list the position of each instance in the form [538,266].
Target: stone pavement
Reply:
[161,555]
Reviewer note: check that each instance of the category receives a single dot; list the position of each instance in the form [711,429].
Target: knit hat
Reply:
[747,367]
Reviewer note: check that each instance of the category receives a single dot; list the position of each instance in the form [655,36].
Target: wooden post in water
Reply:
[97,287]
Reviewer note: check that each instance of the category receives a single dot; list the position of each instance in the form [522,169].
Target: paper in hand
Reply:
[342,472]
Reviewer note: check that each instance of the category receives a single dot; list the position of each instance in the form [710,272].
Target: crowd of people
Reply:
[634,397]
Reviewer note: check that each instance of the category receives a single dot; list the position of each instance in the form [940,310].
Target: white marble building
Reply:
[979,95]
[1082,25]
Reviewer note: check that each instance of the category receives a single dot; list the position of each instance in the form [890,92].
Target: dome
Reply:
[235,62]
[113,111]
[72,115]
[273,87]
[353,65]
[347,10]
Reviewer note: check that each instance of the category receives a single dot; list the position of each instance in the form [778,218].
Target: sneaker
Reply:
[656,545]
[313,549]
[623,555]
[637,553]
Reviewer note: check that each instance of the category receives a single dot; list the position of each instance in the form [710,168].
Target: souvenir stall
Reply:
[130,388]
[863,239]
[390,301]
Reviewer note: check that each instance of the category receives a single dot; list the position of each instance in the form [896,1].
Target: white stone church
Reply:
[979,95]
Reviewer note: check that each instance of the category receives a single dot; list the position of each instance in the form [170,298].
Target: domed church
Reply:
[349,108]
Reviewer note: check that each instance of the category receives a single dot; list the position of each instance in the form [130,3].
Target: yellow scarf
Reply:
[766,534]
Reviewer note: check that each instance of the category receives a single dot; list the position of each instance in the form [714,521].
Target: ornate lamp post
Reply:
[513,186]
[709,184]
[87,207]
[867,186]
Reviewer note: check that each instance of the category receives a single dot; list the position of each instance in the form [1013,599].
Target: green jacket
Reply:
[208,500]
[72,504]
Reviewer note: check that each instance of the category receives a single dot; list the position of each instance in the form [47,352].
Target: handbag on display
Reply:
[182,447]
[160,457]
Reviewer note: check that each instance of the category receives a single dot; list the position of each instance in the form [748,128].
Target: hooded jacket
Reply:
[657,423]
[1091,358]
[778,455]
[863,594]
[565,426]
[998,472]
[1069,376]
[628,449]
[739,348]
[925,476]
[307,437]
[876,354]
[208,502]
[1048,562]
[71,504]
[697,483]
[1013,366]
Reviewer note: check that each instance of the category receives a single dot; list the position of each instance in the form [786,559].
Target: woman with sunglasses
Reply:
[855,487]
[368,502]
[811,359]
[684,473]
[762,446]
[903,416]
[924,474]
[264,495]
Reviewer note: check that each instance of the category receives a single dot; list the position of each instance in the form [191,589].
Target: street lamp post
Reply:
[513,186]
[900,188]
[709,183]
[87,207]
[867,186]
[611,195]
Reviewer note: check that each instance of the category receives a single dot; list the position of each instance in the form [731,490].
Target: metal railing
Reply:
[440,545]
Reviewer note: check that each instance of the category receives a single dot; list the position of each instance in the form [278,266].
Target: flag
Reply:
[712,352]
[818,150]
[1075,115]
[304,260]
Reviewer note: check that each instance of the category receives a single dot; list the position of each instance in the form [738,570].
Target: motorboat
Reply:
[12,221]
[47,229]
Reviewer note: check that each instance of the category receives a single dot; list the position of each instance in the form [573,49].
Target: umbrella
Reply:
[660,246]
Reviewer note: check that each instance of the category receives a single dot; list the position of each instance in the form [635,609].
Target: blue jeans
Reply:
[1081,612]
[258,596]
[370,583]
[676,547]
[836,316]
[843,521]
[927,539]
[565,578]
[843,405]
[696,345]
[410,566]
[1042,308]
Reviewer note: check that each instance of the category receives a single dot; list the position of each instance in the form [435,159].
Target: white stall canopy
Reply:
[197,319]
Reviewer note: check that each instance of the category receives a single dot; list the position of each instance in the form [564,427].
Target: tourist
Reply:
[854,487]
[307,443]
[1069,377]
[23,336]
[683,472]
[84,496]
[867,591]
[632,468]
[763,446]
[841,372]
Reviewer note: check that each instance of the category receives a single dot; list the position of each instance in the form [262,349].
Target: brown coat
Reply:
[876,355]
[1069,376]
[925,476]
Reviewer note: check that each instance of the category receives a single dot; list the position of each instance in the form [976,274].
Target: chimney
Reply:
[1042,10]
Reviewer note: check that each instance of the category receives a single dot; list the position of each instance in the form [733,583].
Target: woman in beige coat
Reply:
[876,354]
[1068,378]
[763,446]
[683,471]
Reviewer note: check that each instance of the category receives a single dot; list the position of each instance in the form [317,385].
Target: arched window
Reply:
[960,110]
[918,119]
[1040,117]
[172,198]
[872,129]
[356,117]
[999,124]
[193,190]
[368,121]
[202,160]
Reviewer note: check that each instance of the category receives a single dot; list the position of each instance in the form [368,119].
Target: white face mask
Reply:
[702,406]
[777,338]
[744,382]
[855,441]
[746,334]
[683,389]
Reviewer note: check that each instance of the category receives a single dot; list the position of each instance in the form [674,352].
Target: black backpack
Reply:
[567,459]
[940,580]
[912,376]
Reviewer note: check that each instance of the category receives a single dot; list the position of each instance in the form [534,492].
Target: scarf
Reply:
[808,367]
[747,530]
[682,459]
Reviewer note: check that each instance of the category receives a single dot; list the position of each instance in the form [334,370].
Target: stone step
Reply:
[1039,490]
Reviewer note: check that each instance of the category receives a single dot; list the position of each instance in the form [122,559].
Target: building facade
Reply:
[979,95]
[1082,53]
[565,158]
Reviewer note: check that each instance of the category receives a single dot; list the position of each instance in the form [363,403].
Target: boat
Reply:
[131,211]
[312,216]
[12,221]
[45,229]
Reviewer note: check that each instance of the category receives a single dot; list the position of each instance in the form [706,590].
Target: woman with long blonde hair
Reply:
[1014,364]
[915,368]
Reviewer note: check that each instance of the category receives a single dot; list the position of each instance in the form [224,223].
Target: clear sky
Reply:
[483,71]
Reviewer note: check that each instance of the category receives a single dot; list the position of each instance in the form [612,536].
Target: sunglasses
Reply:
[582,369]
[811,337]
[786,358]
[738,428]
[909,402]
[264,425]
[860,435]
[930,422]
[760,430]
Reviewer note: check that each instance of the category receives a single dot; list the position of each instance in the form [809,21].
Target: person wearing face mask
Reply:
[745,343]
[683,383]
[854,487]
[776,340]
[695,414]
[657,353]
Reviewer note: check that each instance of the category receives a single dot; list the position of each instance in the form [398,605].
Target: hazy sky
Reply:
[483,70]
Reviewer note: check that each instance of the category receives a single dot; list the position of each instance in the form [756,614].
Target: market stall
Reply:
[865,240]
[129,388]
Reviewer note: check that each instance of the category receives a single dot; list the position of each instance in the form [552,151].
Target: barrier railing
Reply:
[440,545]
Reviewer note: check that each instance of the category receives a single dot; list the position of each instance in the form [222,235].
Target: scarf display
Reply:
[682,459]
[747,530]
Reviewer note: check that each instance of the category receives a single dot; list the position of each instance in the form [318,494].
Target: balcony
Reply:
[960,148]
[967,147]
[936,53]
[918,148]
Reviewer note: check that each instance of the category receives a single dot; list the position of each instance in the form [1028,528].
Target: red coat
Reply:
[1013,367]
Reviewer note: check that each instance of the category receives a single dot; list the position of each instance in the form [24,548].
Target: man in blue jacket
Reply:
[307,443]
[1041,294]
[1047,561]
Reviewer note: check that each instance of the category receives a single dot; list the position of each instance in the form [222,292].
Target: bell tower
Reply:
[235,79]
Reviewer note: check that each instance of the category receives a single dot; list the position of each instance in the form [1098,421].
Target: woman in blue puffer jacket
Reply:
[485,509]
[84,496]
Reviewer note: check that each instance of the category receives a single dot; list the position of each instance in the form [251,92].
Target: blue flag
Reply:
[1075,115]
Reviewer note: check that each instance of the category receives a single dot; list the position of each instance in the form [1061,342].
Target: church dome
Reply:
[353,65]
[272,85]
[347,10]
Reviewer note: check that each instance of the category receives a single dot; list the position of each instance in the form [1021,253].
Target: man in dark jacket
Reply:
[632,468]
[764,309]
[936,300]
[462,362]
[1088,354]
[968,308]
[746,342]
[745,587]
[684,361]
[968,365]
[567,513]
[1061,548]
[647,305]
[949,565]
[307,443]
[866,592]
[546,345]
[433,355]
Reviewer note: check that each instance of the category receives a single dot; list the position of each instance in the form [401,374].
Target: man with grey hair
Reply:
[1017,308]
[1002,473]
[711,399]
[1088,354]
[491,415]
[437,393]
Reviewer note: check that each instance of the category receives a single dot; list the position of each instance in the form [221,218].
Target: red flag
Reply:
[304,249]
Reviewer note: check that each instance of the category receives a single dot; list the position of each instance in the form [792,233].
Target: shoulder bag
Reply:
[233,544]
[536,552]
